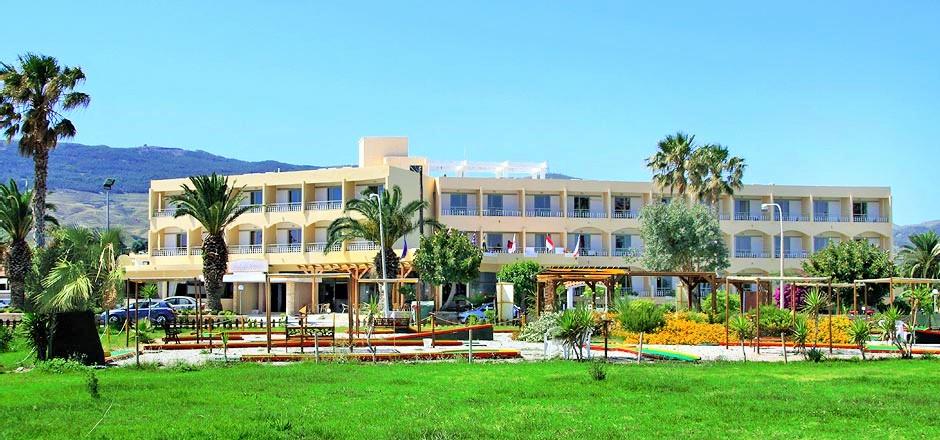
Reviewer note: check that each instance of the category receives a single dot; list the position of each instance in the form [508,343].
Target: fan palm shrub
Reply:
[813,303]
[16,221]
[641,317]
[215,204]
[36,93]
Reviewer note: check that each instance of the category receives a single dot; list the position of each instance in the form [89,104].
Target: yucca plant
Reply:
[641,317]
[813,303]
[859,333]
[800,332]
[575,327]
[888,323]
[743,328]
[372,312]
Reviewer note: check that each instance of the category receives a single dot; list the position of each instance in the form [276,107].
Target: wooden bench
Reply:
[398,325]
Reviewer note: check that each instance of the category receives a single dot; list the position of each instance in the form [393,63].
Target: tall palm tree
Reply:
[34,96]
[398,220]
[16,220]
[672,162]
[921,258]
[215,205]
[714,173]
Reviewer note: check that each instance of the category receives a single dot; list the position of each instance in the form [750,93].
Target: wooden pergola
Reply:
[551,277]
[893,281]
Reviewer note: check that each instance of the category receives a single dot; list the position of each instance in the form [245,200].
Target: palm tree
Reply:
[743,328]
[714,173]
[672,163]
[398,220]
[215,205]
[34,96]
[921,258]
[87,275]
[16,220]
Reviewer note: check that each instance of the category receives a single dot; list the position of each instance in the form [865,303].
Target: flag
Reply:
[549,244]
[577,246]
[404,249]
[511,245]
[483,242]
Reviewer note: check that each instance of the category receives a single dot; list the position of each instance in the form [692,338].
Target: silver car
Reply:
[181,302]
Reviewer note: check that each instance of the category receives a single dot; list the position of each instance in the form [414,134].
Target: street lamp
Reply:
[765,207]
[378,197]
[108,184]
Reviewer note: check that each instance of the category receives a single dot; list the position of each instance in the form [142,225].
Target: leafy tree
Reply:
[921,300]
[35,94]
[522,274]
[852,260]
[718,314]
[921,258]
[215,205]
[16,220]
[743,328]
[640,316]
[682,236]
[448,257]
[859,333]
[714,173]
[398,219]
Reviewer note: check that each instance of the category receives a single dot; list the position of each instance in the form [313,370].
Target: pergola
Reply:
[551,277]
[892,281]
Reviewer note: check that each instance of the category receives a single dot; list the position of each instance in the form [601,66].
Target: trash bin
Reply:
[426,308]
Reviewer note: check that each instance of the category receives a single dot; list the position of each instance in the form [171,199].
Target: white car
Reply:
[181,302]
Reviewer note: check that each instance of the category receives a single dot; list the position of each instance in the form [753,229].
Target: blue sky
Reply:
[809,93]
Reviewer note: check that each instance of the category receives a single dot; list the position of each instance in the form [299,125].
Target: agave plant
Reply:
[859,332]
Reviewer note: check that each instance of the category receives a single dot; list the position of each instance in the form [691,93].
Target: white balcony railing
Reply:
[831,218]
[246,249]
[628,252]
[661,292]
[499,250]
[362,246]
[626,214]
[586,213]
[724,216]
[792,254]
[594,253]
[325,205]
[747,253]
[195,251]
[254,209]
[170,252]
[869,219]
[544,250]
[286,248]
[495,212]
[460,211]
[170,212]
[321,247]
[791,217]
[747,216]
[542,213]
[285,207]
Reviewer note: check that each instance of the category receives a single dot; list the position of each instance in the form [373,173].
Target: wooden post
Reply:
[127,320]
[830,316]
[714,296]
[891,291]
[727,310]
[267,309]
[757,326]
[855,298]
[353,292]
[136,323]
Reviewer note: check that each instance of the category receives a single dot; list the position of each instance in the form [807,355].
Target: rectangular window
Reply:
[494,201]
[582,203]
[542,202]
[622,242]
[254,237]
[621,204]
[742,243]
[494,241]
[820,243]
[821,209]
[254,198]
[181,240]
[458,201]
[293,236]
[334,194]
[742,208]
[293,195]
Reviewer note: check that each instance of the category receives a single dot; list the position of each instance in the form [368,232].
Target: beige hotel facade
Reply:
[493,203]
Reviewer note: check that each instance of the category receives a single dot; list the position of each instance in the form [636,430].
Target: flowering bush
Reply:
[788,291]
[682,328]
[535,331]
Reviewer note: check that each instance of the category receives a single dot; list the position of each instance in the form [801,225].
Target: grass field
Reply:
[882,399]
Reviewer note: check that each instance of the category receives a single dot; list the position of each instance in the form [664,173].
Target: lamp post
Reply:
[419,291]
[108,184]
[378,197]
[766,207]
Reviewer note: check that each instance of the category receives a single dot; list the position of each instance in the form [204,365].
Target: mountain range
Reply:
[77,171]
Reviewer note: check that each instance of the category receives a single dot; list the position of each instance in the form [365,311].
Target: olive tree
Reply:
[448,257]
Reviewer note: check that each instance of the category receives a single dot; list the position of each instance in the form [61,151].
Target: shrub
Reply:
[789,291]
[598,370]
[574,328]
[718,315]
[6,339]
[773,320]
[59,365]
[536,331]
[91,384]
[815,355]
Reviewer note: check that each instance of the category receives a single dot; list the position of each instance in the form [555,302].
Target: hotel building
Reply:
[493,203]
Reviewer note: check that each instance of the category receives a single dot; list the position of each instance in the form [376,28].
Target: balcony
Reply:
[254,209]
[170,212]
[791,217]
[321,247]
[195,251]
[284,207]
[594,253]
[494,212]
[284,248]
[246,249]
[626,214]
[628,252]
[544,250]
[542,213]
[586,213]
[460,211]
[792,254]
[869,219]
[747,216]
[831,218]
[724,216]
[171,252]
[325,205]
[362,246]
[747,253]
[662,292]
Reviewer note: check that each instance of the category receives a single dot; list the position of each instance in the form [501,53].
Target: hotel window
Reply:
[582,203]
[494,241]
[542,202]
[181,240]
[622,242]
[293,195]
[742,244]
[621,204]
[494,201]
[334,194]
[254,197]
[820,243]
[539,239]
[742,208]
[458,201]
[821,209]
[293,236]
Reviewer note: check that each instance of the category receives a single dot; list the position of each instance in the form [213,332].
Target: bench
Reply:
[172,334]
[321,331]
[398,325]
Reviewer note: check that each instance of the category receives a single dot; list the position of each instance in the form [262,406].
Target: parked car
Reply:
[156,310]
[182,302]
[480,312]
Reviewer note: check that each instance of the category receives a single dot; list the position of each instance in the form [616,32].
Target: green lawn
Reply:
[882,399]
